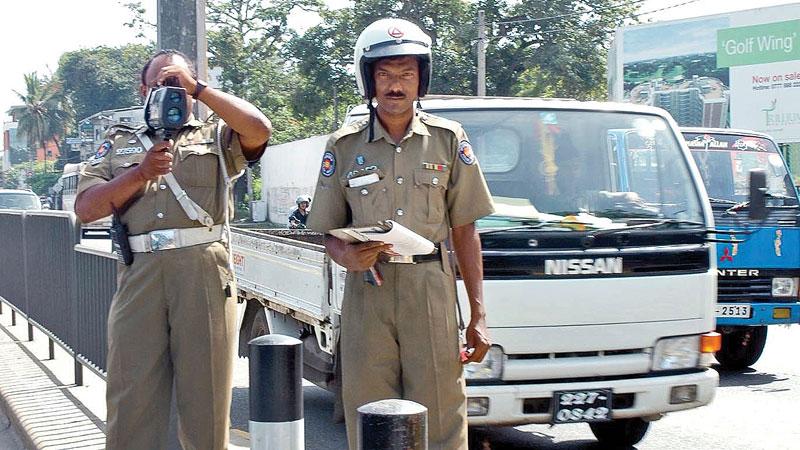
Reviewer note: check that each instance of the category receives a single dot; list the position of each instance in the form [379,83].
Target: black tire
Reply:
[254,324]
[620,432]
[741,347]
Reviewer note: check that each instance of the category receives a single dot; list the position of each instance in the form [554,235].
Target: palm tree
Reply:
[44,114]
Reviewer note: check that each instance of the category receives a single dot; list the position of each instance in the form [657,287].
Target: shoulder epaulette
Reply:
[120,128]
[351,128]
[440,122]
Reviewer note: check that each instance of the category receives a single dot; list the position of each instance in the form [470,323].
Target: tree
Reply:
[324,54]
[103,78]
[44,113]
[551,48]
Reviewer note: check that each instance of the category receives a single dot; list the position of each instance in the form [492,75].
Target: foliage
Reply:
[9,179]
[103,78]
[40,182]
[45,113]
[551,48]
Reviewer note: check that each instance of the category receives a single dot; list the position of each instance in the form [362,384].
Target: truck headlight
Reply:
[676,353]
[784,287]
[491,368]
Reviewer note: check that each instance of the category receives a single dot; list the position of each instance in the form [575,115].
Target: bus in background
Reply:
[66,189]
[758,277]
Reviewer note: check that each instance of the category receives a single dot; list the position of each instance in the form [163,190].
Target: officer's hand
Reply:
[478,340]
[180,74]
[360,257]
[157,161]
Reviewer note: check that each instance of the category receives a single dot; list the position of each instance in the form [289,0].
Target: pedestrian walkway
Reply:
[47,416]
[44,406]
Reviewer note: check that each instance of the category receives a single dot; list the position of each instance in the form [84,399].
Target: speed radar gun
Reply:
[166,110]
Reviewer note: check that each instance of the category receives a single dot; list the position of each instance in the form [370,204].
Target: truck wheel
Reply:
[620,432]
[741,347]
[254,324]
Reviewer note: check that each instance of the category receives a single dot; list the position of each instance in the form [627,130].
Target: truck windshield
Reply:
[550,167]
[725,161]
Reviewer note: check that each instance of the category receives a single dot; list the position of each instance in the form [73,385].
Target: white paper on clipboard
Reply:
[404,241]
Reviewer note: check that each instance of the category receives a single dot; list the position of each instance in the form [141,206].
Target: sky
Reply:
[34,33]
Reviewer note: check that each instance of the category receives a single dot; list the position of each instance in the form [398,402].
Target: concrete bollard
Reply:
[392,425]
[276,393]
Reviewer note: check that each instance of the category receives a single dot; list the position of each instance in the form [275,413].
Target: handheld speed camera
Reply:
[166,110]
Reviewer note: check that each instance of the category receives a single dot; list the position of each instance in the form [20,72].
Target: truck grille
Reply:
[745,290]
[779,216]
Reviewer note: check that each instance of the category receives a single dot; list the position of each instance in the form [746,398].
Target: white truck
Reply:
[599,280]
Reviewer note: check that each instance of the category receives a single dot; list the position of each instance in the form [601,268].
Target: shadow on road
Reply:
[321,432]
[508,438]
[746,377]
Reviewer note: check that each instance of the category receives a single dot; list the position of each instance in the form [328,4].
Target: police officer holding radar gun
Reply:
[173,317]
[401,339]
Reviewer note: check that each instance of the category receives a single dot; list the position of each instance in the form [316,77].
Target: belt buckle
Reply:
[399,259]
[162,240]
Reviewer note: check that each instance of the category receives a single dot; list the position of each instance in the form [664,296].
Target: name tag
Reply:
[363,180]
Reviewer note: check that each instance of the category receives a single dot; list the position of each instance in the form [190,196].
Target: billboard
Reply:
[738,70]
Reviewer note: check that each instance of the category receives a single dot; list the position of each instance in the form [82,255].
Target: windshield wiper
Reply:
[745,204]
[651,223]
[721,200]
[530,224]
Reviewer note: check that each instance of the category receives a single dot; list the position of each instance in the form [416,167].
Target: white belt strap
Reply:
[174,238]
[192,209]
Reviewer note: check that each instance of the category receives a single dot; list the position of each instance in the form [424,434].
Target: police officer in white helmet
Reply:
[401,339]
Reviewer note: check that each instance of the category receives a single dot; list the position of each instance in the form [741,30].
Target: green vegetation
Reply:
[305,83]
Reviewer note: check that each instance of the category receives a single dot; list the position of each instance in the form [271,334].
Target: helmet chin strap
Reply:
[418,108]
[371,108]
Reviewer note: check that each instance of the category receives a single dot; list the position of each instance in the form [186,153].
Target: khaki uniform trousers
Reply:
[400,340]
[170,318]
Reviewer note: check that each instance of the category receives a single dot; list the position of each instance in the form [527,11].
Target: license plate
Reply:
[582,406]
[724,310]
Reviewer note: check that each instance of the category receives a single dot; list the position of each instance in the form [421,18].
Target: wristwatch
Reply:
[199,88]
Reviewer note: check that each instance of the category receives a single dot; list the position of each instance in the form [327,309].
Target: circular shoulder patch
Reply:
[328,164]
[465,153]
[102,151]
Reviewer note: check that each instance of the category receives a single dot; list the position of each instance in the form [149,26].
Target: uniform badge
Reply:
[465,153]
[360,160]
[129,150]
[102,151]
[328,164]
[435,166]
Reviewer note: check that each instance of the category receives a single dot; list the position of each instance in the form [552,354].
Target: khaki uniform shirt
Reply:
[429,182]
[195,165]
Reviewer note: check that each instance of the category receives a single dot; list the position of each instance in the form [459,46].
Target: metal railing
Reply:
[59,286]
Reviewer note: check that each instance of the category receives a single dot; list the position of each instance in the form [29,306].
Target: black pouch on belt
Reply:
[119,238]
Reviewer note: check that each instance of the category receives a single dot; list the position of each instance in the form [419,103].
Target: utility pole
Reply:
[481,53]
[182,26]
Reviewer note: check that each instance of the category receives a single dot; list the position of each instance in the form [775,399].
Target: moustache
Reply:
[395,94]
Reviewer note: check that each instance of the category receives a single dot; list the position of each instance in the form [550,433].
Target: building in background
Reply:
[92,130]
[697,102]
[11,144]
[744,63]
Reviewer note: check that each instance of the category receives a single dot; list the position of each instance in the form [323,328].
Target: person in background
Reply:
[298,217]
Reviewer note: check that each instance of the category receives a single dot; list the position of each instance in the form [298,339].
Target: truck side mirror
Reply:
[758,193]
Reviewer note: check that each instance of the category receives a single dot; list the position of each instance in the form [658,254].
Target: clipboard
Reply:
[404,241]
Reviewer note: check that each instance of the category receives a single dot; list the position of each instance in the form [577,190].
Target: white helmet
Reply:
[302,198]
[386,38]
